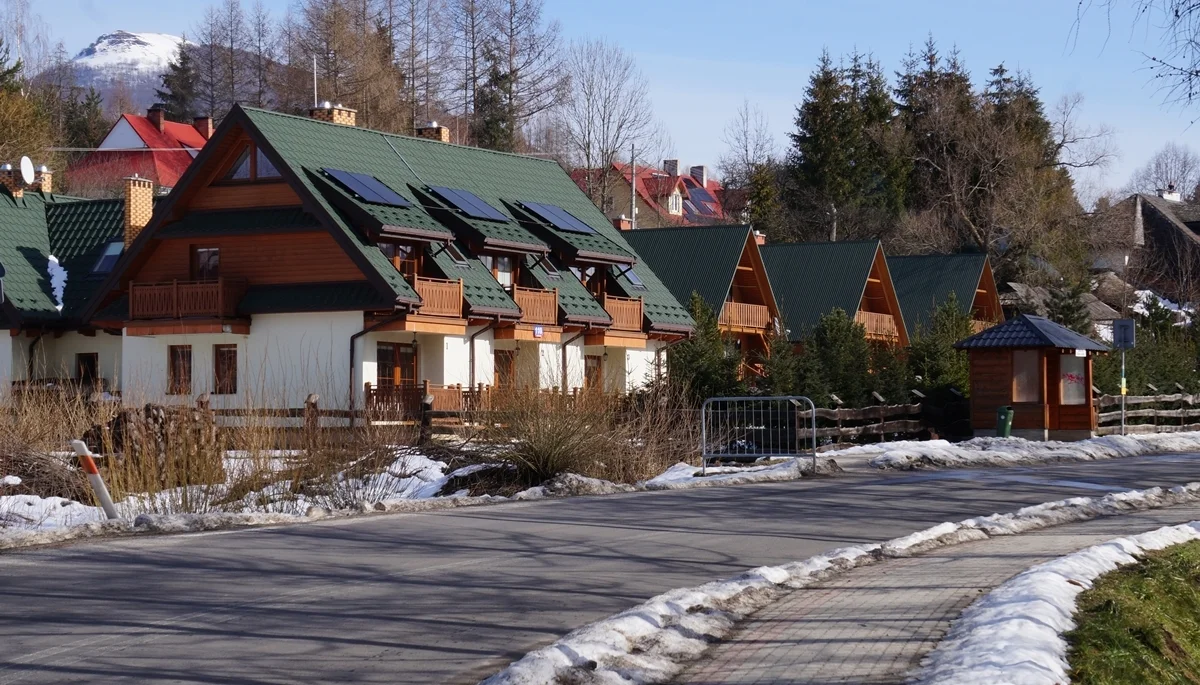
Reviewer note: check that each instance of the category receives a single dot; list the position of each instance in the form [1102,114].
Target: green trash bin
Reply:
[1004,419]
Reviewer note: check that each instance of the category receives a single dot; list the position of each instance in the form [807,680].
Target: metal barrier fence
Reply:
[736,428]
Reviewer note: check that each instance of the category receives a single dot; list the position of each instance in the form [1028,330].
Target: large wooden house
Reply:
[811,280]
[924,282]
[723,266]
[301,255]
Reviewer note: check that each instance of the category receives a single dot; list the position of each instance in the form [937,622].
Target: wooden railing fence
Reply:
[1176,413]
[890,419]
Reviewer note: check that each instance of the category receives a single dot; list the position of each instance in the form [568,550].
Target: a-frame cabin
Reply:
[923,282]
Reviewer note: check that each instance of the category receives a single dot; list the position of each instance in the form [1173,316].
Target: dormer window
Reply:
[675,203]
[503,267]
[403,257]
[252,165]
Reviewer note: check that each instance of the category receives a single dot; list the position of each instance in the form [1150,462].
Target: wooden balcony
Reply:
[741,315]
[538,306]
[626,312]
[440,297]
[878,326]
[185,299]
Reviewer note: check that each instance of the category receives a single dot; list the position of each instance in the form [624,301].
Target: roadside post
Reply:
[93,474]
[1124,338]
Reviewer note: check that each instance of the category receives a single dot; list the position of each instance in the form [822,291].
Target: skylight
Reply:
[112,252]
[634,279]
[468,203]
[367,188]
[558,217]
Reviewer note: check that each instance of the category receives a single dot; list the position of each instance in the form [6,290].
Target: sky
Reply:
[704,58]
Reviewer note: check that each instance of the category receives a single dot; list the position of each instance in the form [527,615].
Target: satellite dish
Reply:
[27,170]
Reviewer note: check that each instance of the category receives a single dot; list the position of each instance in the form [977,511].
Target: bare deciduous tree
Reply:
[1178,67]
[469,21]
[1174,165]
[262,56]
[748,144]
[529,50]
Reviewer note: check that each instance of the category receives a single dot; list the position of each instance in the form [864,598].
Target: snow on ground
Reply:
[1183,314]
[10,480]
[907,455]
[650,642]
[1014,634]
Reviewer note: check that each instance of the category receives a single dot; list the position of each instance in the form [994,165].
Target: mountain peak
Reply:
[126,50]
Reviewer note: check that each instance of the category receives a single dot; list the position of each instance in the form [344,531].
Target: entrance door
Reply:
[593,372]
[506,368]
[397,364]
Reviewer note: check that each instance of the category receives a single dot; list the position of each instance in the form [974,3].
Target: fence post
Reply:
[426,419]
[312,421]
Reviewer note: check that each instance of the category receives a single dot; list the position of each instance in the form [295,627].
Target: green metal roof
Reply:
[240,222]
[484,295]
[575,303]
[314,297]
[693,259]
[812,279]
[408,165]
[79,233]
[24,253]
[925,281]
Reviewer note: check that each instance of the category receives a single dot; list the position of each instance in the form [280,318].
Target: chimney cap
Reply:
[43,169]
[327,105]
[5,167]
[158,106]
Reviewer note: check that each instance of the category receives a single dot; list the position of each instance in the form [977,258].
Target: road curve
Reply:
[451,596]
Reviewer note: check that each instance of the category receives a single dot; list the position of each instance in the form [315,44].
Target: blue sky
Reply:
[703,57]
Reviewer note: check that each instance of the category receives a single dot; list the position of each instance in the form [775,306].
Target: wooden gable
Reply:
[986,305]
[879,310]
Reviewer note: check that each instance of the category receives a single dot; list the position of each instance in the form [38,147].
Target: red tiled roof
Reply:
[164,161]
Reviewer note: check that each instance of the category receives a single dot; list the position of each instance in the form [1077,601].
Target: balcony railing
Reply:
[878,326]
[626,312]
[745,315]
[185,299]
[537,305]
[440,297]
[404,400]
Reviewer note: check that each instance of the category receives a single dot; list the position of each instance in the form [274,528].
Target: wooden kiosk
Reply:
[1042,370]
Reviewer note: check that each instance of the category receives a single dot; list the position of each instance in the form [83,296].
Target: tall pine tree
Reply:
[493,123]
[178,92]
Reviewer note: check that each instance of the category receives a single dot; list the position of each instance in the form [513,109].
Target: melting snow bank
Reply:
[910,455]
[1014,634]
[682,476]
[650,642]
[145,523]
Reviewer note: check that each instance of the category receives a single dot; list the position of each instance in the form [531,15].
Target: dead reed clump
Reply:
[36,425]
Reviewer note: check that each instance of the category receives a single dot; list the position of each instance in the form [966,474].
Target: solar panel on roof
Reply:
[367,187]
[558,217]
[468,203]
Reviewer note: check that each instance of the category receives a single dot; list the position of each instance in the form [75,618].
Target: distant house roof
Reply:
[1037,297]
[702,203]
[135,145]
[812,279]
[1029,331]
[703,260]
[925,281]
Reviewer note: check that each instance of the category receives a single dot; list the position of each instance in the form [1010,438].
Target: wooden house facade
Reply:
[924,282]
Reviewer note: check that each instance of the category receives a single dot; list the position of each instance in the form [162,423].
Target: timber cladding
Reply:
[991,385]
[305,257]
[244,196]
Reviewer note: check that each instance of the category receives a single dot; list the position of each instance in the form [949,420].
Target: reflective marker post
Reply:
[93,474]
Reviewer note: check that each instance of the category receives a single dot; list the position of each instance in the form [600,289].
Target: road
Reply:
[452,596]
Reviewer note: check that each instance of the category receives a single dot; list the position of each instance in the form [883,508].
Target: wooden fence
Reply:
[1148,414]
[882,420]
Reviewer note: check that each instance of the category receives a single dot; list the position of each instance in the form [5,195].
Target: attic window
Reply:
[241,168]
[251,168]
[634,281]
[112,252]
[456,256]
[265,168]
[675,203]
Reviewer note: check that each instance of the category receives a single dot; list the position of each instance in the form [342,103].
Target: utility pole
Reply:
[632,188]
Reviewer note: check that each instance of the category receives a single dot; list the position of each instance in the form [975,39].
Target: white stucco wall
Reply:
[122,137]
[639,368]
[549,358]
[6,362]
[485,360]
[55,356]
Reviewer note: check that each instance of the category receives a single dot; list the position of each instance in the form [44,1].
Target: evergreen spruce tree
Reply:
[494,124]
[1066,307]
[178,92]
[931,353]
[779,366]
[706,364]
[85,122]
[839,345]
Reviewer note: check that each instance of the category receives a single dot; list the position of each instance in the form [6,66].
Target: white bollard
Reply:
[93,474]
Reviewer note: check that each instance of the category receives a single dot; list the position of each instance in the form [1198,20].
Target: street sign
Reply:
[1124,336]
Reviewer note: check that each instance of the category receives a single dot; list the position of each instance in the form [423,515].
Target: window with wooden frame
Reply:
[87,367]
[593,371]
[406,258]
[179,370]
[506,368]
[1072,379]
[225,374]
[206,263]
[503,268]
[251,165]
[396,364]
[1027,376]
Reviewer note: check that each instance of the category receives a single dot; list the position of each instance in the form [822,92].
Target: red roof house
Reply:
[148,146]
[665,198]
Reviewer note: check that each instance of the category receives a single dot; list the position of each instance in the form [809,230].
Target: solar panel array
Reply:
[558,217]
[468,203]
[368,188]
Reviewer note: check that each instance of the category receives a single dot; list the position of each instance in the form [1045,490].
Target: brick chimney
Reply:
[204,125]
[139,206]
[433,131]
[43,180]
[622,223]
[671,166]
[700,175]
[760,238]
[157,115]
[10,178]
[336,114]
[1170,194]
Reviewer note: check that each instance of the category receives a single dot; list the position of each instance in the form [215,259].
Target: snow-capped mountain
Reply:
[121,52]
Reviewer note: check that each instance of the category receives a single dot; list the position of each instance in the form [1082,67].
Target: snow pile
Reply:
[910,455]
[682,476]
[650,642]
[12,481]
[58,280]
[1183,314]
[11,538]
[1014,634]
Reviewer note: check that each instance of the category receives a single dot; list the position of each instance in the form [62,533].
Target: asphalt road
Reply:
[452,596]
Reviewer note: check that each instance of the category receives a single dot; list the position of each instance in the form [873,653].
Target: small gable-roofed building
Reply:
[923,282]
[811,280]
[1042,370]
[148,146]
[723,266]
[298,255]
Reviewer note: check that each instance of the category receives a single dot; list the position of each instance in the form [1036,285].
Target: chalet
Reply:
[811,280]
[722,265]
[1161,234]
[301,255]
[665,197]
[146,146]
[923,282]
[54,252]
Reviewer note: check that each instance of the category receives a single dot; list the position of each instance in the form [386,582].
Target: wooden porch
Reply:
[626,312]
[741,317]
[880,327]
[185,299]
[538,306]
